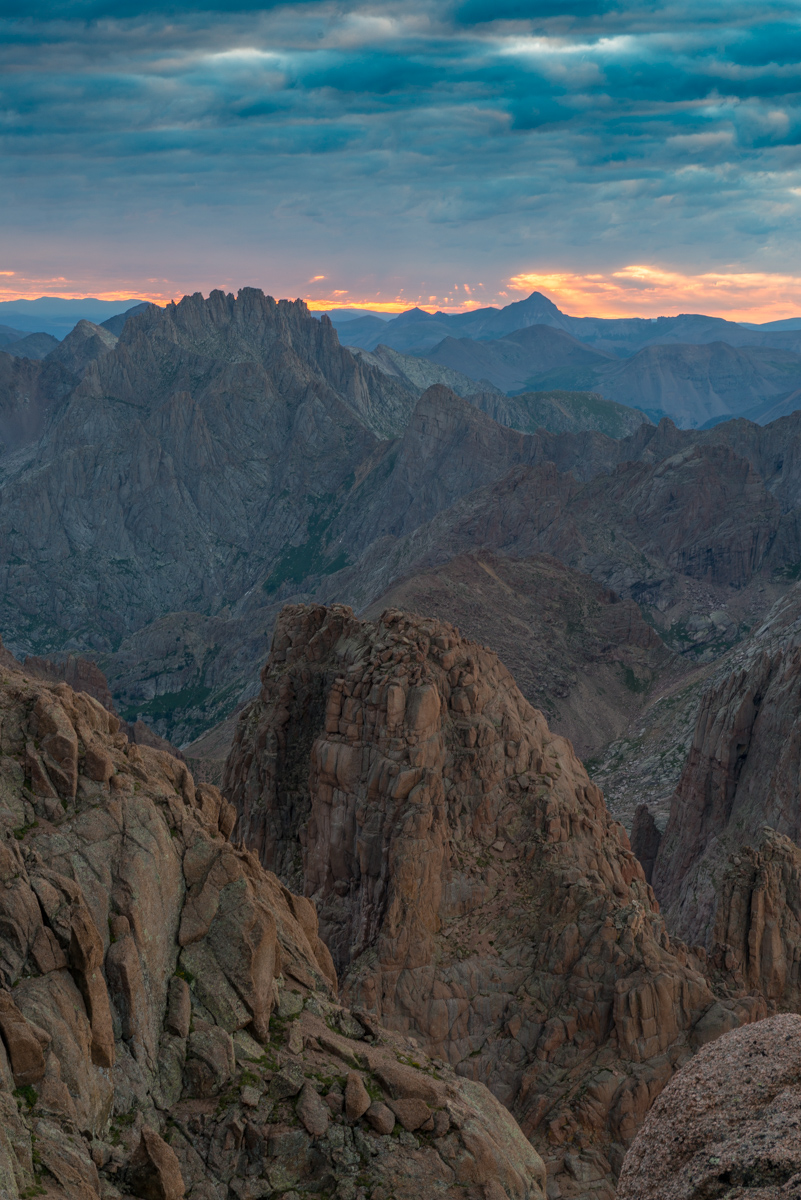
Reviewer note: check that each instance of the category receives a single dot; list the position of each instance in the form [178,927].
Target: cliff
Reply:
[168,1015]
[728,867]
[471,885]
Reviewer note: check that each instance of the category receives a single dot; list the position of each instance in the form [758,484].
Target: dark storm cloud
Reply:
[589,126]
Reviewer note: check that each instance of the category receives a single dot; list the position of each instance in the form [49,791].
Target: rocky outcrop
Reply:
[471,885]
[168,1016]
[84,344]
[577,651]
[727,1124]
[142,735]
[727,868]
[81,674]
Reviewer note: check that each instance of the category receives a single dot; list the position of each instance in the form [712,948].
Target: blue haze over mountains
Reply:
[165,490]
[693,368]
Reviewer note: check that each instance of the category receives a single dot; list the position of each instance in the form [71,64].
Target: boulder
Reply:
[357,1099]
[24,1043]
[154,1172]
[727,1124]
[314,1114]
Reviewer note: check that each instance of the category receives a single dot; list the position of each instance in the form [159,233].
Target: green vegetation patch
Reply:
[297,563]
[165,706]
[791,572]
[634,683]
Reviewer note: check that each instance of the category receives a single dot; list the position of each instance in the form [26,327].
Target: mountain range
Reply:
[167,492]
[696,369]
[388,607]
[693,368]
[418,331]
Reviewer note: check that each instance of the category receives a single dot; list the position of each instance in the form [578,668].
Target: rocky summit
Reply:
[472,887]
[169,1022]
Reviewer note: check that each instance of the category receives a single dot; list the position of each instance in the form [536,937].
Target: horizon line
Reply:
[633,292]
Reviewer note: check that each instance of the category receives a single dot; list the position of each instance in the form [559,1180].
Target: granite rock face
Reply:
[471,885]
[727,870]
[31,393]
[577,651]
[727,1125]
[81,674]
[232,421]
[168,1016]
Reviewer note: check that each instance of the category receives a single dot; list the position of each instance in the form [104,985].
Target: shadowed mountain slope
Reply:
[561,411]
[690,383]
[84,344]
[576,651]
[33,345]
[537,357]
[30,394]
[182,464]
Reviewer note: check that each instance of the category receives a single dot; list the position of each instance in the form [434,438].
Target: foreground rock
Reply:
[168,1016]
[727,1125]
[472,887]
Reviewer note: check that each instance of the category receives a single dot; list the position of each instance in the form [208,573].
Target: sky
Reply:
[623,157]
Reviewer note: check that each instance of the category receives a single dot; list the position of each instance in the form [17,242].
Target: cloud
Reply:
[647,291]
[394,147]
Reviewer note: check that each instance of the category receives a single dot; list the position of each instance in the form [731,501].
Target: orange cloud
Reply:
[29,287]
[634,290]
[644,291]
[399,304]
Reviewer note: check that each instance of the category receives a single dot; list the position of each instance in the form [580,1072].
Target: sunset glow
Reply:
[633,290]
[645,291]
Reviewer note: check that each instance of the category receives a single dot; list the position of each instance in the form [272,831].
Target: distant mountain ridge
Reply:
[691,383]
[418,331]
[660,365]
[162,495]
[56,315]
